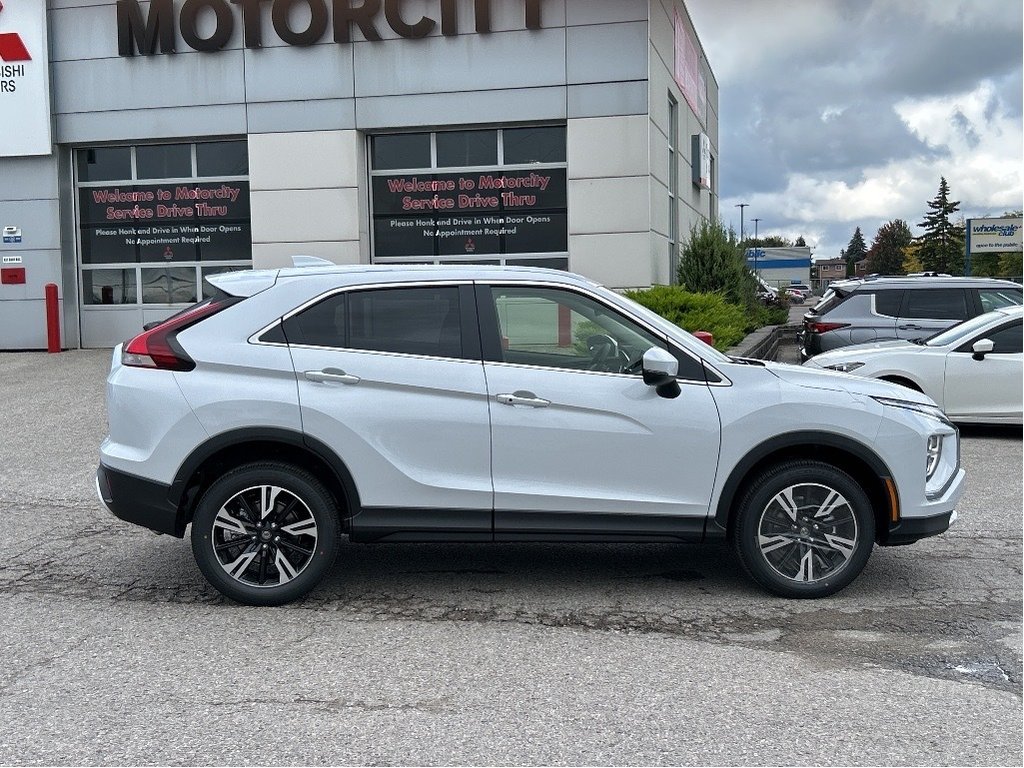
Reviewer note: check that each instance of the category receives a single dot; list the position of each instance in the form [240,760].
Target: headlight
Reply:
[942,459]
[928,410]
[844,367]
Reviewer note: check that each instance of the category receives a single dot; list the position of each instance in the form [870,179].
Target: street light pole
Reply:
[741,206]
[757,248]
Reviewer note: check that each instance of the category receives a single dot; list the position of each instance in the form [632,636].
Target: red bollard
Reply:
[706,337]
[52,318]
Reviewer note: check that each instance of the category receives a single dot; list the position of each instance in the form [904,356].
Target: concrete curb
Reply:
[763,344]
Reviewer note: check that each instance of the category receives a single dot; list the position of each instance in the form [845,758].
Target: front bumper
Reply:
[136,500]
[911,529]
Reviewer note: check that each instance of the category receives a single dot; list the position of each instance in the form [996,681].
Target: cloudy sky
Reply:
[844,113]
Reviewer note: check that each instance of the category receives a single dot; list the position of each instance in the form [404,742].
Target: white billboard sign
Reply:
[994,235]
[24,79]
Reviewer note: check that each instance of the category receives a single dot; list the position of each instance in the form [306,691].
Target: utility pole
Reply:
[741,206]
[755,230]
[757,247]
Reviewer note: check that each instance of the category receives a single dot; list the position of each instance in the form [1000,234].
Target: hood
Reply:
[855,351]
[859,386]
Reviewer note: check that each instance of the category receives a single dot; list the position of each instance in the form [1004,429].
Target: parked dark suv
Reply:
[911,308]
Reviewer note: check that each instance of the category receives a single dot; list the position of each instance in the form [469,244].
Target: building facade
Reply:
[186,137]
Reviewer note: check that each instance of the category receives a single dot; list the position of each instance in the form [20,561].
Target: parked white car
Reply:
[476,404]
[972,370]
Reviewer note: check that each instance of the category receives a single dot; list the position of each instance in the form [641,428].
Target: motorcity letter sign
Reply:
[24,79]
[208,25]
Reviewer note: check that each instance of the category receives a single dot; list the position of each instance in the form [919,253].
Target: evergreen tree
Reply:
[886,254]
[800,242]
[711,261]
[942,244]
[855,251]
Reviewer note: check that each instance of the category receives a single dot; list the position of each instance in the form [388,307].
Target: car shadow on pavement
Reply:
[998,431]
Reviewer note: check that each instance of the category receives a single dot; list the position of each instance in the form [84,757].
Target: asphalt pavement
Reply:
[113,650]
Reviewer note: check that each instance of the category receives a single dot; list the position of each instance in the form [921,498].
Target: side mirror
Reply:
[660,370]
[982,347]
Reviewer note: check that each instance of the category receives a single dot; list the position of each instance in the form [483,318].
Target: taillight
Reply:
[816,327]
[158,347]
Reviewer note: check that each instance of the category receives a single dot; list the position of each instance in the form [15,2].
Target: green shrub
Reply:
[711,261]
[727,322]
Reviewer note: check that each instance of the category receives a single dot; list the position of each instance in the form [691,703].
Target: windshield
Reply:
[961,331]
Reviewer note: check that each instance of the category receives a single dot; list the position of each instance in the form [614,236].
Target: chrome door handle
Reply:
[523,398]
[911,327]
[331,375]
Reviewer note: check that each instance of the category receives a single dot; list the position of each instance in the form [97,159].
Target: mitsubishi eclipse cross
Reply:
[487,404]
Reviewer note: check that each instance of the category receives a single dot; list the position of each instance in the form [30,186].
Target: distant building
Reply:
[860,268]
[829,270]
[781,266]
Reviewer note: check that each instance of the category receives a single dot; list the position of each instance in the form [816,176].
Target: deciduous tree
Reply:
[886,253]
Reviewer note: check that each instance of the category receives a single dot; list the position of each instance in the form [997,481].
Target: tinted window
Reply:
[995,298]
[163,161]
[465,148]
[105,164]
[938,303]
[222,158]
[322,325]
[405,150]
[416,321]
[1007,340]
[534,145]
[888,303]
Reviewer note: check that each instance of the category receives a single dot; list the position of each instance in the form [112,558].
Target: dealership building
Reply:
[147,144]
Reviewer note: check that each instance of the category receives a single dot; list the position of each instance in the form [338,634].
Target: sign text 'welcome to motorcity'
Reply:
[155,32]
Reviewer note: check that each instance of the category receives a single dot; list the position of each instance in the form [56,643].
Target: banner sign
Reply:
[994,235]
[486,212]
[24,80]
[687,71]
[206,221]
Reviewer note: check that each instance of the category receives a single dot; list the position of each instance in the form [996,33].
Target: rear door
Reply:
[390,378]
[926,311]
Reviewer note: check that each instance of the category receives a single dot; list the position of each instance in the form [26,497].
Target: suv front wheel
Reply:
[265,533]
[804,529]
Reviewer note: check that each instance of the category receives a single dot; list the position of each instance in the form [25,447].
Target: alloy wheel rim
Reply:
[807,532]
[264,536]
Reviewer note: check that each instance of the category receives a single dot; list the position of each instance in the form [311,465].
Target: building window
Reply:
[155,219]
[481,196]
[673,189]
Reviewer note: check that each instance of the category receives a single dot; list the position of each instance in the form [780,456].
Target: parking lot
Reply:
[115,650]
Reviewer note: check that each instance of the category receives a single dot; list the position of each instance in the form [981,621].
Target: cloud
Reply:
[842,113]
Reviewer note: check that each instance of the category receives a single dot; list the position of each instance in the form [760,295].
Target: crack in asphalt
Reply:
[965,640]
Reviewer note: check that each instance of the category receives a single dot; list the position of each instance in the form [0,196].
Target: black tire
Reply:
[804,529]
[265,533]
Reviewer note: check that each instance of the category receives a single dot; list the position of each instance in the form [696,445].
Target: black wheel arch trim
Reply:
[806,438]
[180,485]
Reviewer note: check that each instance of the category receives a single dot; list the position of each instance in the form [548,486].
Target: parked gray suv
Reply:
[911,308]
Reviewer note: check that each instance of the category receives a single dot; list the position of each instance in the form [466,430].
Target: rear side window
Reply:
[935,303]
[888,303]
[415,321]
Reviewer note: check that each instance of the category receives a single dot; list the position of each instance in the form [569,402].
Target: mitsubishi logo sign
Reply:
[24,80]
[11,46]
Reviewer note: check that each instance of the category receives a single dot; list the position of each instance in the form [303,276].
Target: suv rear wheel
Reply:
[804,529]
[265,533]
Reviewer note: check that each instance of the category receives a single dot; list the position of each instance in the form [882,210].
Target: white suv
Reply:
[496,404]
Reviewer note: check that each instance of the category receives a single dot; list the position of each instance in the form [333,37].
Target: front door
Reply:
[580,444]
[989,388]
